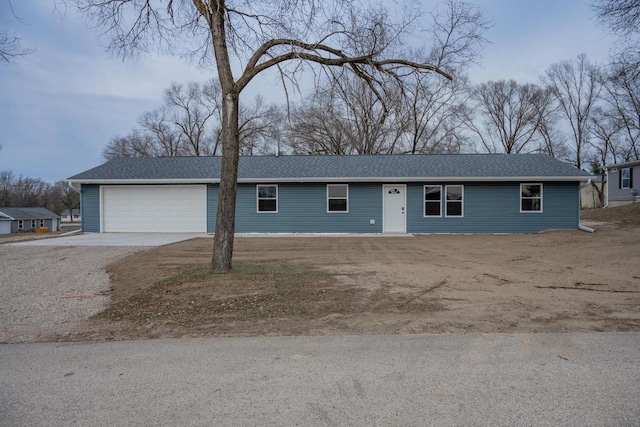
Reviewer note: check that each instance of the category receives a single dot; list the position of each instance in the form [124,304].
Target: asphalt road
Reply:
[463,379]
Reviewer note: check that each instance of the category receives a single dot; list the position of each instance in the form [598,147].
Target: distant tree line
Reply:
[21,191]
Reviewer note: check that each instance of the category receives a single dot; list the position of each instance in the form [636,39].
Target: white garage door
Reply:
[155,209]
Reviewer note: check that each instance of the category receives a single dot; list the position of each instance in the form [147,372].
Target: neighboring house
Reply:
[64,217]
[15,220]
[466,193]
[622,187]
[589,197]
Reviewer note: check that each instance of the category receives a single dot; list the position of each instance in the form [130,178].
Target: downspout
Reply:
[73,187]
[606,176]
[580,226]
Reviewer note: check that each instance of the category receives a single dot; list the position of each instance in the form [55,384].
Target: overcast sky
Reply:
[61,105]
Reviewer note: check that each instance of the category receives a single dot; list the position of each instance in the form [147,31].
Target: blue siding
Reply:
[303,208]
[90,206]
[495,208]
[488,208]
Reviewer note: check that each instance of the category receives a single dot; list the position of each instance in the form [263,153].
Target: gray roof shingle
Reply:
[28,213]
[276,168]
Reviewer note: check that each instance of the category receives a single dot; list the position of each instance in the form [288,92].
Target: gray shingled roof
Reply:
[331,167]
[28,213]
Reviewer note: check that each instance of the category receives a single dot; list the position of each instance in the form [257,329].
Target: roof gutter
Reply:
[335,179]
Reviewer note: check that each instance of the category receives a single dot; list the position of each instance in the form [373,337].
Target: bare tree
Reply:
[510,116]
[604,140]
[622,17]
[62,197]
[576,86]
[346,117]
[7,180]
[193,108]
[20,191]
[284,35]
[260,128]
[622,106]
[10,47]
[188,124]
[135,144]
[432,112]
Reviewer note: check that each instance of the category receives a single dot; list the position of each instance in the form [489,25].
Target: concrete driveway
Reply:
[114,239]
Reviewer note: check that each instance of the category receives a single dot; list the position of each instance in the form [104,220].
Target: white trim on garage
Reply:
[153,208]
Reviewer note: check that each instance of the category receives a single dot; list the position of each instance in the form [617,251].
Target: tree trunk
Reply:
[226,214]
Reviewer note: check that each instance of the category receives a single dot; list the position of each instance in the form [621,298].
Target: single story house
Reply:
[621,188]
[14,220]
[465,193]
[75,216]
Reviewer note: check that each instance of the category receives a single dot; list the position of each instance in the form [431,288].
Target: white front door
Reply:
[393,208]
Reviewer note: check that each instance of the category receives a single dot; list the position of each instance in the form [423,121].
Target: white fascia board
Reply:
[4,215]
[143,181]
[419,179]
[623,165]
[337,179]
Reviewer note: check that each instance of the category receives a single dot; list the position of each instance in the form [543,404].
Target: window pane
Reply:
[337,205]
[625,173]
[267,192]
[454,192]
[433,193]
[267,205]
[454,208]
[531,190]
[337,191]
[432,208]
[530,204]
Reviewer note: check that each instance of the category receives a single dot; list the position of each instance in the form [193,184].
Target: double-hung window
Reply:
[625,178]
[433,200]
[41,223]
[530,197]
[20,224]
[267,196]
[33,223]
[454,200]
[337,198]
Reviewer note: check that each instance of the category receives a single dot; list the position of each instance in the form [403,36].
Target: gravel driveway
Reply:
[45,289]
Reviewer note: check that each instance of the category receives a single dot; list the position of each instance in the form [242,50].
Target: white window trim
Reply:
[424,207]
[270,198]
[541,197]
[20,224]
[622,178]
[41,223]
[338,198]
[33,223]
[444,197]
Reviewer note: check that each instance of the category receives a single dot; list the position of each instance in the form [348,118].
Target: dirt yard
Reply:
[552,281]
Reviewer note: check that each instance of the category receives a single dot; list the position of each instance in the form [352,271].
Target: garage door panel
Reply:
[163,209]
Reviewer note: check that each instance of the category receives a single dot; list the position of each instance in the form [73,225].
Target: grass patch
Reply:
[628,215]
[248,292]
